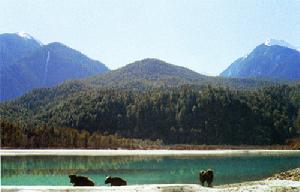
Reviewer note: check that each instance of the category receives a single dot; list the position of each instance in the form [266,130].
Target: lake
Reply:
[54,170]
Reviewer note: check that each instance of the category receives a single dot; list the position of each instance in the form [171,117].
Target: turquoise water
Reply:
[54,170]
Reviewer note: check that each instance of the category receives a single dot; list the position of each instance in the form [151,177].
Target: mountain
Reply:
[55,63]
[16,46]
[140,76]
[143,75]
[149,99]
[27,64]
[147,73]
[153,73]
[275,59]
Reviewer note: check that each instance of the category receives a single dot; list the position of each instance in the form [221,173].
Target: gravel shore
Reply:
[293,175]
[257,186]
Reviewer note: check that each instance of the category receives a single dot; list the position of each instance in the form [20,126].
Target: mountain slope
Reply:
[28,64]
[146,73]
[55,63]
[163,108]
[184,115]
[16,46]
[154,73]
[272,60]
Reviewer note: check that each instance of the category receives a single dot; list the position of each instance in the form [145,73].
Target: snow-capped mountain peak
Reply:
[271,42]
[26,36]
[275,59]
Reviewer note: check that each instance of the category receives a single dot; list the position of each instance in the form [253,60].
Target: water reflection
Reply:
[40,165]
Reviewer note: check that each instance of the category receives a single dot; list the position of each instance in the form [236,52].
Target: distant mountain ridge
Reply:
[27,64]
[275,59]
[36,65]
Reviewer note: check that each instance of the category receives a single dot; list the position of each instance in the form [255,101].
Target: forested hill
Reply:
[204,115]
[151,99]
[153,73]
[148,73]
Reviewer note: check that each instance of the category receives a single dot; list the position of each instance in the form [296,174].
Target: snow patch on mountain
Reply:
[271,42]
[26,36]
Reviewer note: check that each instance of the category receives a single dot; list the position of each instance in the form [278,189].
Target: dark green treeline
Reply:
[187,115]
[15,136]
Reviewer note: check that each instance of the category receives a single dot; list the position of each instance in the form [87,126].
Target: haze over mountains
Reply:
[275,59]
[27,64]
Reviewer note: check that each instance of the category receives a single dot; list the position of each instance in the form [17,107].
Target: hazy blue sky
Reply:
[203,35]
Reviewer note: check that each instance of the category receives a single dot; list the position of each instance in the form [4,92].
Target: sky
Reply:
[203,35]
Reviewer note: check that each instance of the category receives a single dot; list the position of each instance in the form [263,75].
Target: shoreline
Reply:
[122,152]
[263,185]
